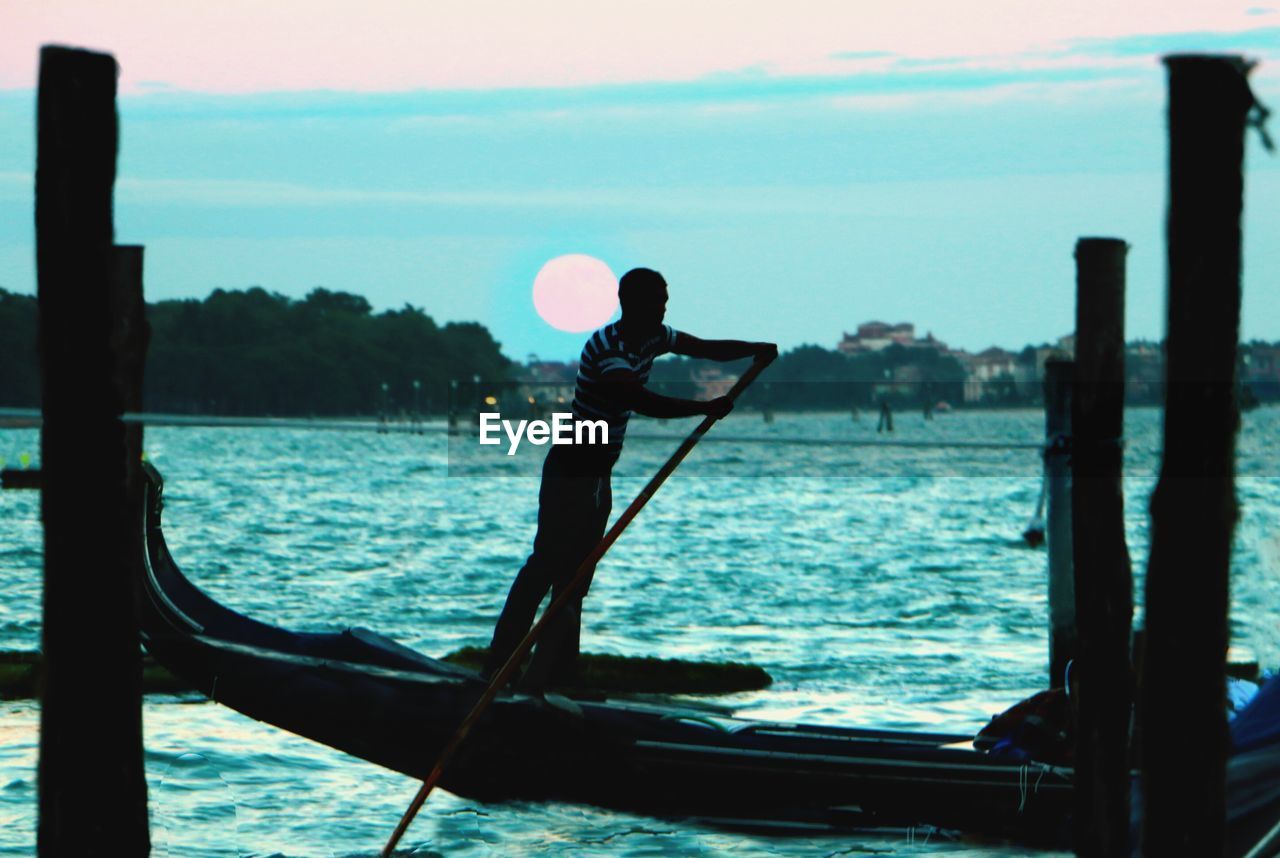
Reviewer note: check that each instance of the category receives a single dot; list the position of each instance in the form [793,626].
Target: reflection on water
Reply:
[881,587]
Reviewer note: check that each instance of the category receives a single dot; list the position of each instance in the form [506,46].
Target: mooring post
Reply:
[92,787]
[453,406]
[1057,475]
[1103,577]
[1193,509]
[417,418]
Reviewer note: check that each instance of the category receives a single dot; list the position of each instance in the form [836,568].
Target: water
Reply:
[883,587]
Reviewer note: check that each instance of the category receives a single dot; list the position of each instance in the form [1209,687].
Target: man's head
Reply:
[643,295]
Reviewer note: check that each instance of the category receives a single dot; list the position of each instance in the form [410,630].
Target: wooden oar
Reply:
[500,679]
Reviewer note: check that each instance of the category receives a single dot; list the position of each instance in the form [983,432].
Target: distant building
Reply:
[1261,369]
[988,373]
[875,336]
[1262,363]
[712,381]
[998,375]
[549,383]
[550,372]
[1029,373]
[1143,371]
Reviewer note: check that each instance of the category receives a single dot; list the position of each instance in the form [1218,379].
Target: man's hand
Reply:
[719,407]
[765,351]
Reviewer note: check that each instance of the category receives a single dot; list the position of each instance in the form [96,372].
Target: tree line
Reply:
[811,377]
[254,352]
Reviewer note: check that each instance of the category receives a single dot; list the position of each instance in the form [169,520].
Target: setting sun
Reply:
[575,293]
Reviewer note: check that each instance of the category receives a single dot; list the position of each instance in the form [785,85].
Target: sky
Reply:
[793,168]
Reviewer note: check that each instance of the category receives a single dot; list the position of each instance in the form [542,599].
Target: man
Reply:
[575,498]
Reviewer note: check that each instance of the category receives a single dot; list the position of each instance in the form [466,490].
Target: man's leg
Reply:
[538,573]
[517,614]
[557,653]
[597,522]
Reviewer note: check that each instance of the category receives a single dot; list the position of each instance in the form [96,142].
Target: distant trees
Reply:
[812,377]
[255,352]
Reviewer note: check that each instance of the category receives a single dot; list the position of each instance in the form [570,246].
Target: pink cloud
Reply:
[249,45]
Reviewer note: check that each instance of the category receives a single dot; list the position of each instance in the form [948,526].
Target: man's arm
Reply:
[630,394]
[721,350]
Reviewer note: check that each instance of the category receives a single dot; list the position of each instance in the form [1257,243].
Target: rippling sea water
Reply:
[883,587]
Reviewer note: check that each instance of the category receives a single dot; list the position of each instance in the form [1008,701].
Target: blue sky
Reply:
[786,194]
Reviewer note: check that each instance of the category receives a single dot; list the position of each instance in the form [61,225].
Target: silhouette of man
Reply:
[575,498]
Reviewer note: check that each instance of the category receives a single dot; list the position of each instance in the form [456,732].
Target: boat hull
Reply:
[375,699]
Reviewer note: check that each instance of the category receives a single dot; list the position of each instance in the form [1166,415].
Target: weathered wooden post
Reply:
[1103,578]
[886,416]
[1193,509]
[384,406]
[417,418]
[1057,476]
[92,788]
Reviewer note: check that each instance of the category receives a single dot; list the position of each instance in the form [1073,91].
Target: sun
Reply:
[575,293]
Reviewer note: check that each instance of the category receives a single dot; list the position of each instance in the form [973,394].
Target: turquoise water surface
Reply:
[879,586]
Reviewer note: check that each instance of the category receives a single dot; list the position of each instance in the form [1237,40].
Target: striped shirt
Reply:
[606,352]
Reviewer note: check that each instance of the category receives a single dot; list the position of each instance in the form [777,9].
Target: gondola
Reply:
[371,697]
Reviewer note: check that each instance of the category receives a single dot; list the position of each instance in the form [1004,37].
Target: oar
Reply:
[501,678]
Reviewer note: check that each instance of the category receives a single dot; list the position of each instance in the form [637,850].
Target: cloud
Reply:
[219,193]
[1258,41]
[872,77]
[241,46]
[723,92]
[844,199]
[449,63]
[922,102]
[862,55]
